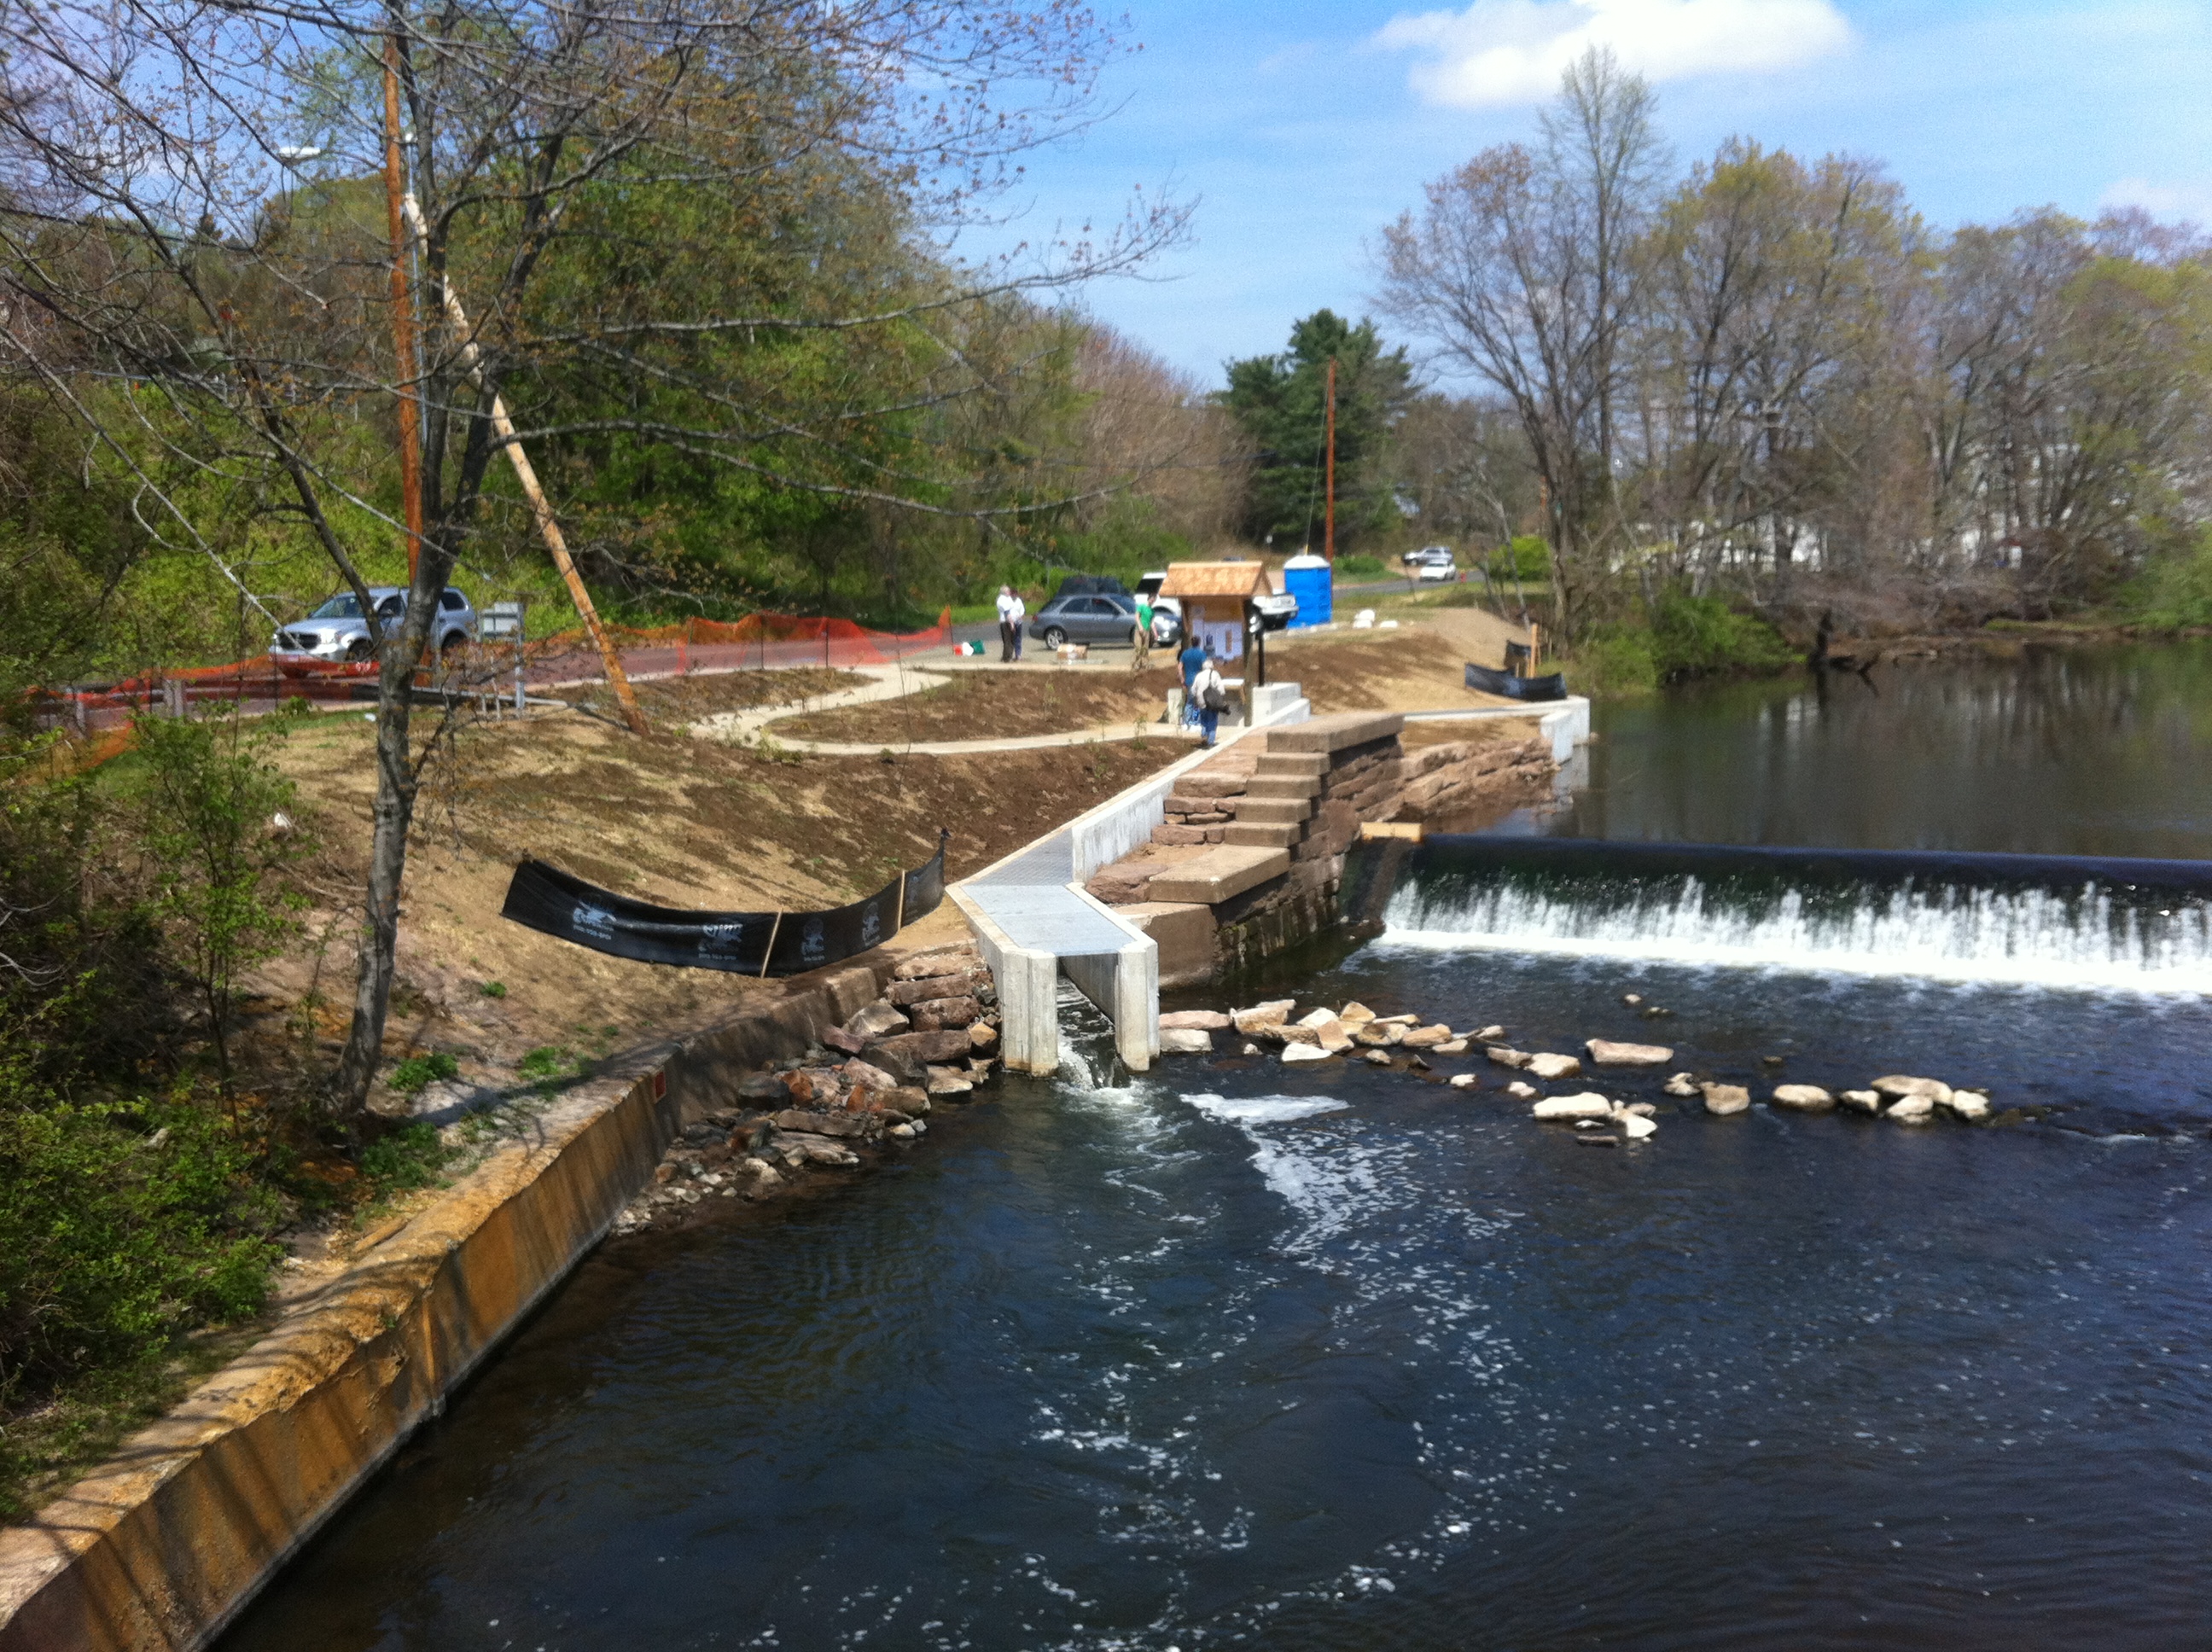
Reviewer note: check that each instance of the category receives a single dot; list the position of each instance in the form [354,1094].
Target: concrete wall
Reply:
[162,1546]
[1126,986]
[1028,980]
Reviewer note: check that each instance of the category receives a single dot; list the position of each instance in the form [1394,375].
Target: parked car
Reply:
[336,631]
[1277,609]
[1430,562]
[1090,617]
[1090,585]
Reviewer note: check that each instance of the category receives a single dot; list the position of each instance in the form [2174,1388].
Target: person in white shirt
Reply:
[1021,612]
[1009,637]
[1209,692]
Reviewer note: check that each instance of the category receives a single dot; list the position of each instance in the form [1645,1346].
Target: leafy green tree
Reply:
[1281,402]
[216,824]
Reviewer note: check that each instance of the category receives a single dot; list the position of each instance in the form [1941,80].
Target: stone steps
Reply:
[1274,811]
[1219,874]
[1255,833]
[1283,785]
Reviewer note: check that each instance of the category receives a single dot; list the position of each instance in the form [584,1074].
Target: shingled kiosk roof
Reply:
[1215,580]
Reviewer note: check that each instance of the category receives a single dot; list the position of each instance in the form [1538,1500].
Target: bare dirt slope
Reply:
[669,819]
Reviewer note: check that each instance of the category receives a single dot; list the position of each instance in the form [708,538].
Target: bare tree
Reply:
[1522,272]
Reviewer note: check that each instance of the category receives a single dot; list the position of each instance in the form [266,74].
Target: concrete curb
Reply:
[162,1546]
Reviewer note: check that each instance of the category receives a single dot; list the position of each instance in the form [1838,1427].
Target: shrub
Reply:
[493,988]
[1359,566]
[418,1072]
[121,1227]
[1528,557]
[2174,591]
[216,824]
[1704,637]
[410,1157]
[1613,660]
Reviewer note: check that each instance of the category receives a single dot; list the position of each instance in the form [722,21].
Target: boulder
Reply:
[1970,1105]
[939,961]
[948,1081]
[1605,1053]
[1896,1086]
[1549,1067]
[1452,1047]
[1333,1035]
[912,1100]
[1522,1090]
[1378,1058]
[1463,1081]
[1631,999]
[903,992]
[896,1059]
[1318,1019]
[1588,1105]
[838,1039]
[1199,1020]
[1272,1013]
[1803,1098]
[1680,1084]
[1426,1038]
[1185,1041]
[1397,1020]
[1286,1033]
[1505,1057]
[1376,1035]
[1293,1053]
[1355,1012]
[822,1124]
[1636,1126]
[763,1087]
[1122,885]
[875,1021]
[1860,1100]
[939,1013]
[982,1035]
[867,1073]
[1488,1034]
[1721,1100]
[1913,1109]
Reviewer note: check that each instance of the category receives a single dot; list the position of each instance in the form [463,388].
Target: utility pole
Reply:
[1328,520]
[402,314]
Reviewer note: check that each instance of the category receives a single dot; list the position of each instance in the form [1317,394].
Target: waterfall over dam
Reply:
[2084,922]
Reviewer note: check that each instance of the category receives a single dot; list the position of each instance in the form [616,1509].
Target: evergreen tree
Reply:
[1281,403]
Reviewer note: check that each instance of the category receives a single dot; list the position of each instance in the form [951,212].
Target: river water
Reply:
[1336,1358]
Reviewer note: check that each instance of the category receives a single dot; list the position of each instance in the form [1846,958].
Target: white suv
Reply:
[336,632]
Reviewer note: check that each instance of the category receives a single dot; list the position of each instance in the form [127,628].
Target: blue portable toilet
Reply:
[1306,579]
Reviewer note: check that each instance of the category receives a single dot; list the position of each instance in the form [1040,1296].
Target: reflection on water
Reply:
[2104,751]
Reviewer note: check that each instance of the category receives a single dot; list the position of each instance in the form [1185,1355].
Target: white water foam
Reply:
[1264,1109]
[2030,938]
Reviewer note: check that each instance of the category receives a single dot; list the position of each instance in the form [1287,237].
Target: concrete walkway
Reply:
[894,682]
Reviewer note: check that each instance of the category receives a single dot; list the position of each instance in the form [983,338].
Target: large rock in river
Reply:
[1721,1100]
[1607,1053]
[1896,1086]
[1803,1098]
[1589,1105]
[1185,1041]
[1548,1067]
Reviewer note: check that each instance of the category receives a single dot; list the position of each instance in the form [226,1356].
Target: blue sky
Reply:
[1299,128]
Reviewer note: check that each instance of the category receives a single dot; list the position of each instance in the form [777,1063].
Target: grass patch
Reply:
[418,1072]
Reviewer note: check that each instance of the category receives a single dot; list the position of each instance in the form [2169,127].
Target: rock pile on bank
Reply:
[865,1089]
[1405,1042]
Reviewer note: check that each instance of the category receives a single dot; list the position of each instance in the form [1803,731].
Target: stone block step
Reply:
[1283,785]
[1277,811]
[1215,876]
[1292,762]
[1255,833]
[1334,733]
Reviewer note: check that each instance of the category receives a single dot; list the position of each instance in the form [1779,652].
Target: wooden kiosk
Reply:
[1217,606]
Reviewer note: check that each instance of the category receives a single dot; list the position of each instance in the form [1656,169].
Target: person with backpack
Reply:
[1193,661]
[1209,691]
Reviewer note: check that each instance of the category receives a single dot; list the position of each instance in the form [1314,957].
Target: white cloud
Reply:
[2190,201]
[1501,51]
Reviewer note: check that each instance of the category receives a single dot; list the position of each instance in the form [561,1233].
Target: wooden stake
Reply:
[775,929]
[402,314]
[547,529]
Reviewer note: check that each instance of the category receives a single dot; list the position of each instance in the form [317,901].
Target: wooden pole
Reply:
[1328,530]
[547,529]
[402,314]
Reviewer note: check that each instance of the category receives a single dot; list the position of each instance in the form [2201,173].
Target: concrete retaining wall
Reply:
[162,1546]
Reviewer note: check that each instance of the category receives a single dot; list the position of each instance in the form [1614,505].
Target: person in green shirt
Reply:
[1142,638]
